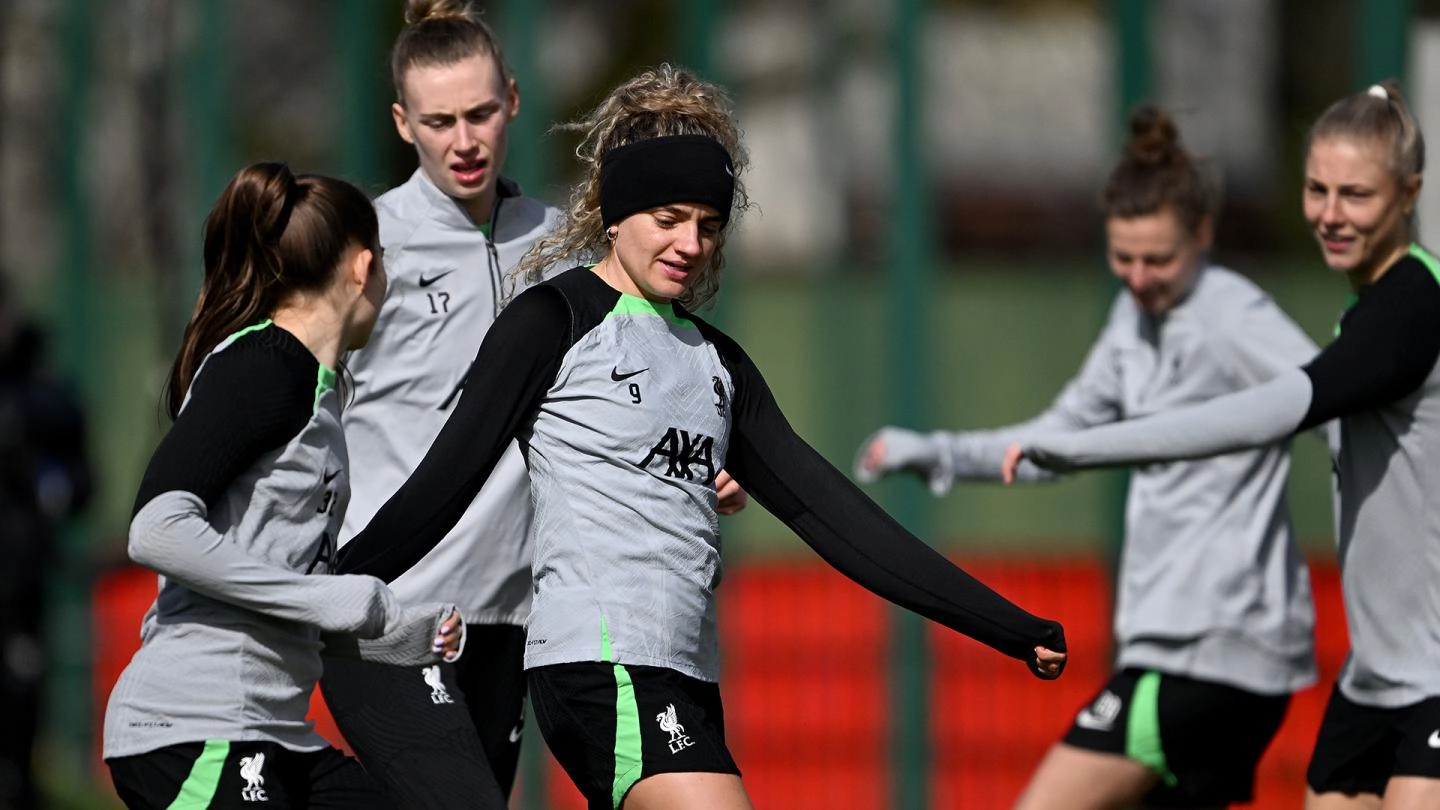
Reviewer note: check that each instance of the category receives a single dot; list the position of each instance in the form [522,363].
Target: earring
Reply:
[611,233]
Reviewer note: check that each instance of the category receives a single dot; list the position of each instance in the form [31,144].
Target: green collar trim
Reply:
[325,379]
[635,305]
[1417,252]
[1349,302]
[231,338]
[1426,258]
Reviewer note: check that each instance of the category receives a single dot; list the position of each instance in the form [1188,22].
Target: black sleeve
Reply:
[1387,346]
[247,400]
[516,364]
[853,534]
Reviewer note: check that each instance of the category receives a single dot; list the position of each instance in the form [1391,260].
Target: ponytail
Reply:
[270,234]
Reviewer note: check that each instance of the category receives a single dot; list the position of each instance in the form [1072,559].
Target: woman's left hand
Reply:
[729,496]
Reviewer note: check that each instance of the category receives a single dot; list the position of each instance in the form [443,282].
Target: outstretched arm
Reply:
[248,400]
[1250,418]
[853,534]
[1388,345]
[172,536]
[942,457]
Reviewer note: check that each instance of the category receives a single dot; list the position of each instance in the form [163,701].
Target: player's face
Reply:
[456,116]
[1155,257]
[664,250]
[1356,207]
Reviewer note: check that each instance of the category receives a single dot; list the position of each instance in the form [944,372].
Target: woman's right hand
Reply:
[1048,664]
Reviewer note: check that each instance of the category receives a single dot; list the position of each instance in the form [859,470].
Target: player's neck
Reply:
[319,328]
[481,208]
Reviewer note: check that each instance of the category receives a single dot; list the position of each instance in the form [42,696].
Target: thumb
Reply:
[1013,454]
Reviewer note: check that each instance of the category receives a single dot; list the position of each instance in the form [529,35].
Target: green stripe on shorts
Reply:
[199,787]
[627,725]
[1142,734]
[627,736]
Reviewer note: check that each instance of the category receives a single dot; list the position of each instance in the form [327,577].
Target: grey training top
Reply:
[627,410]
[1211,583]
[238,511]
[1380,378]
[447,282]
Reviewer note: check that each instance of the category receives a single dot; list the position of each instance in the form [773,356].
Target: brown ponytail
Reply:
[271,233]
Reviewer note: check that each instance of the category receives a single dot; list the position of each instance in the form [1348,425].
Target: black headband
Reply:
[660,171]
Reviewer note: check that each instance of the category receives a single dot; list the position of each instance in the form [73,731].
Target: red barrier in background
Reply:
[807,701]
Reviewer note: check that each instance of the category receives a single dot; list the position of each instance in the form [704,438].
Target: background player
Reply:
[1380,379]
[1214,622]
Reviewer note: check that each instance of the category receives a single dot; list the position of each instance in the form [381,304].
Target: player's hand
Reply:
[870,461]
[1048,664]
[893,449]
[449,637]
[1014,454]
[730,497]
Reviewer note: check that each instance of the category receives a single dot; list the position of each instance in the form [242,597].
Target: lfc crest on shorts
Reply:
[671,724]
[250,767]
[438,693]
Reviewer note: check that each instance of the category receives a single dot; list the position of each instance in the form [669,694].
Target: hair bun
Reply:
[417,11]
[1154,139]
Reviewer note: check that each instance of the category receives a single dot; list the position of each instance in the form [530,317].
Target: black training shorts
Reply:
[1203,739]
[1360,747]
[611,725]
[243,776]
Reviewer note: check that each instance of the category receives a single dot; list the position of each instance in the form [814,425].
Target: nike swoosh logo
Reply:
[1434,739]
[515,734]
[426,282]
[617,376]
[1087,719]
[329,476]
